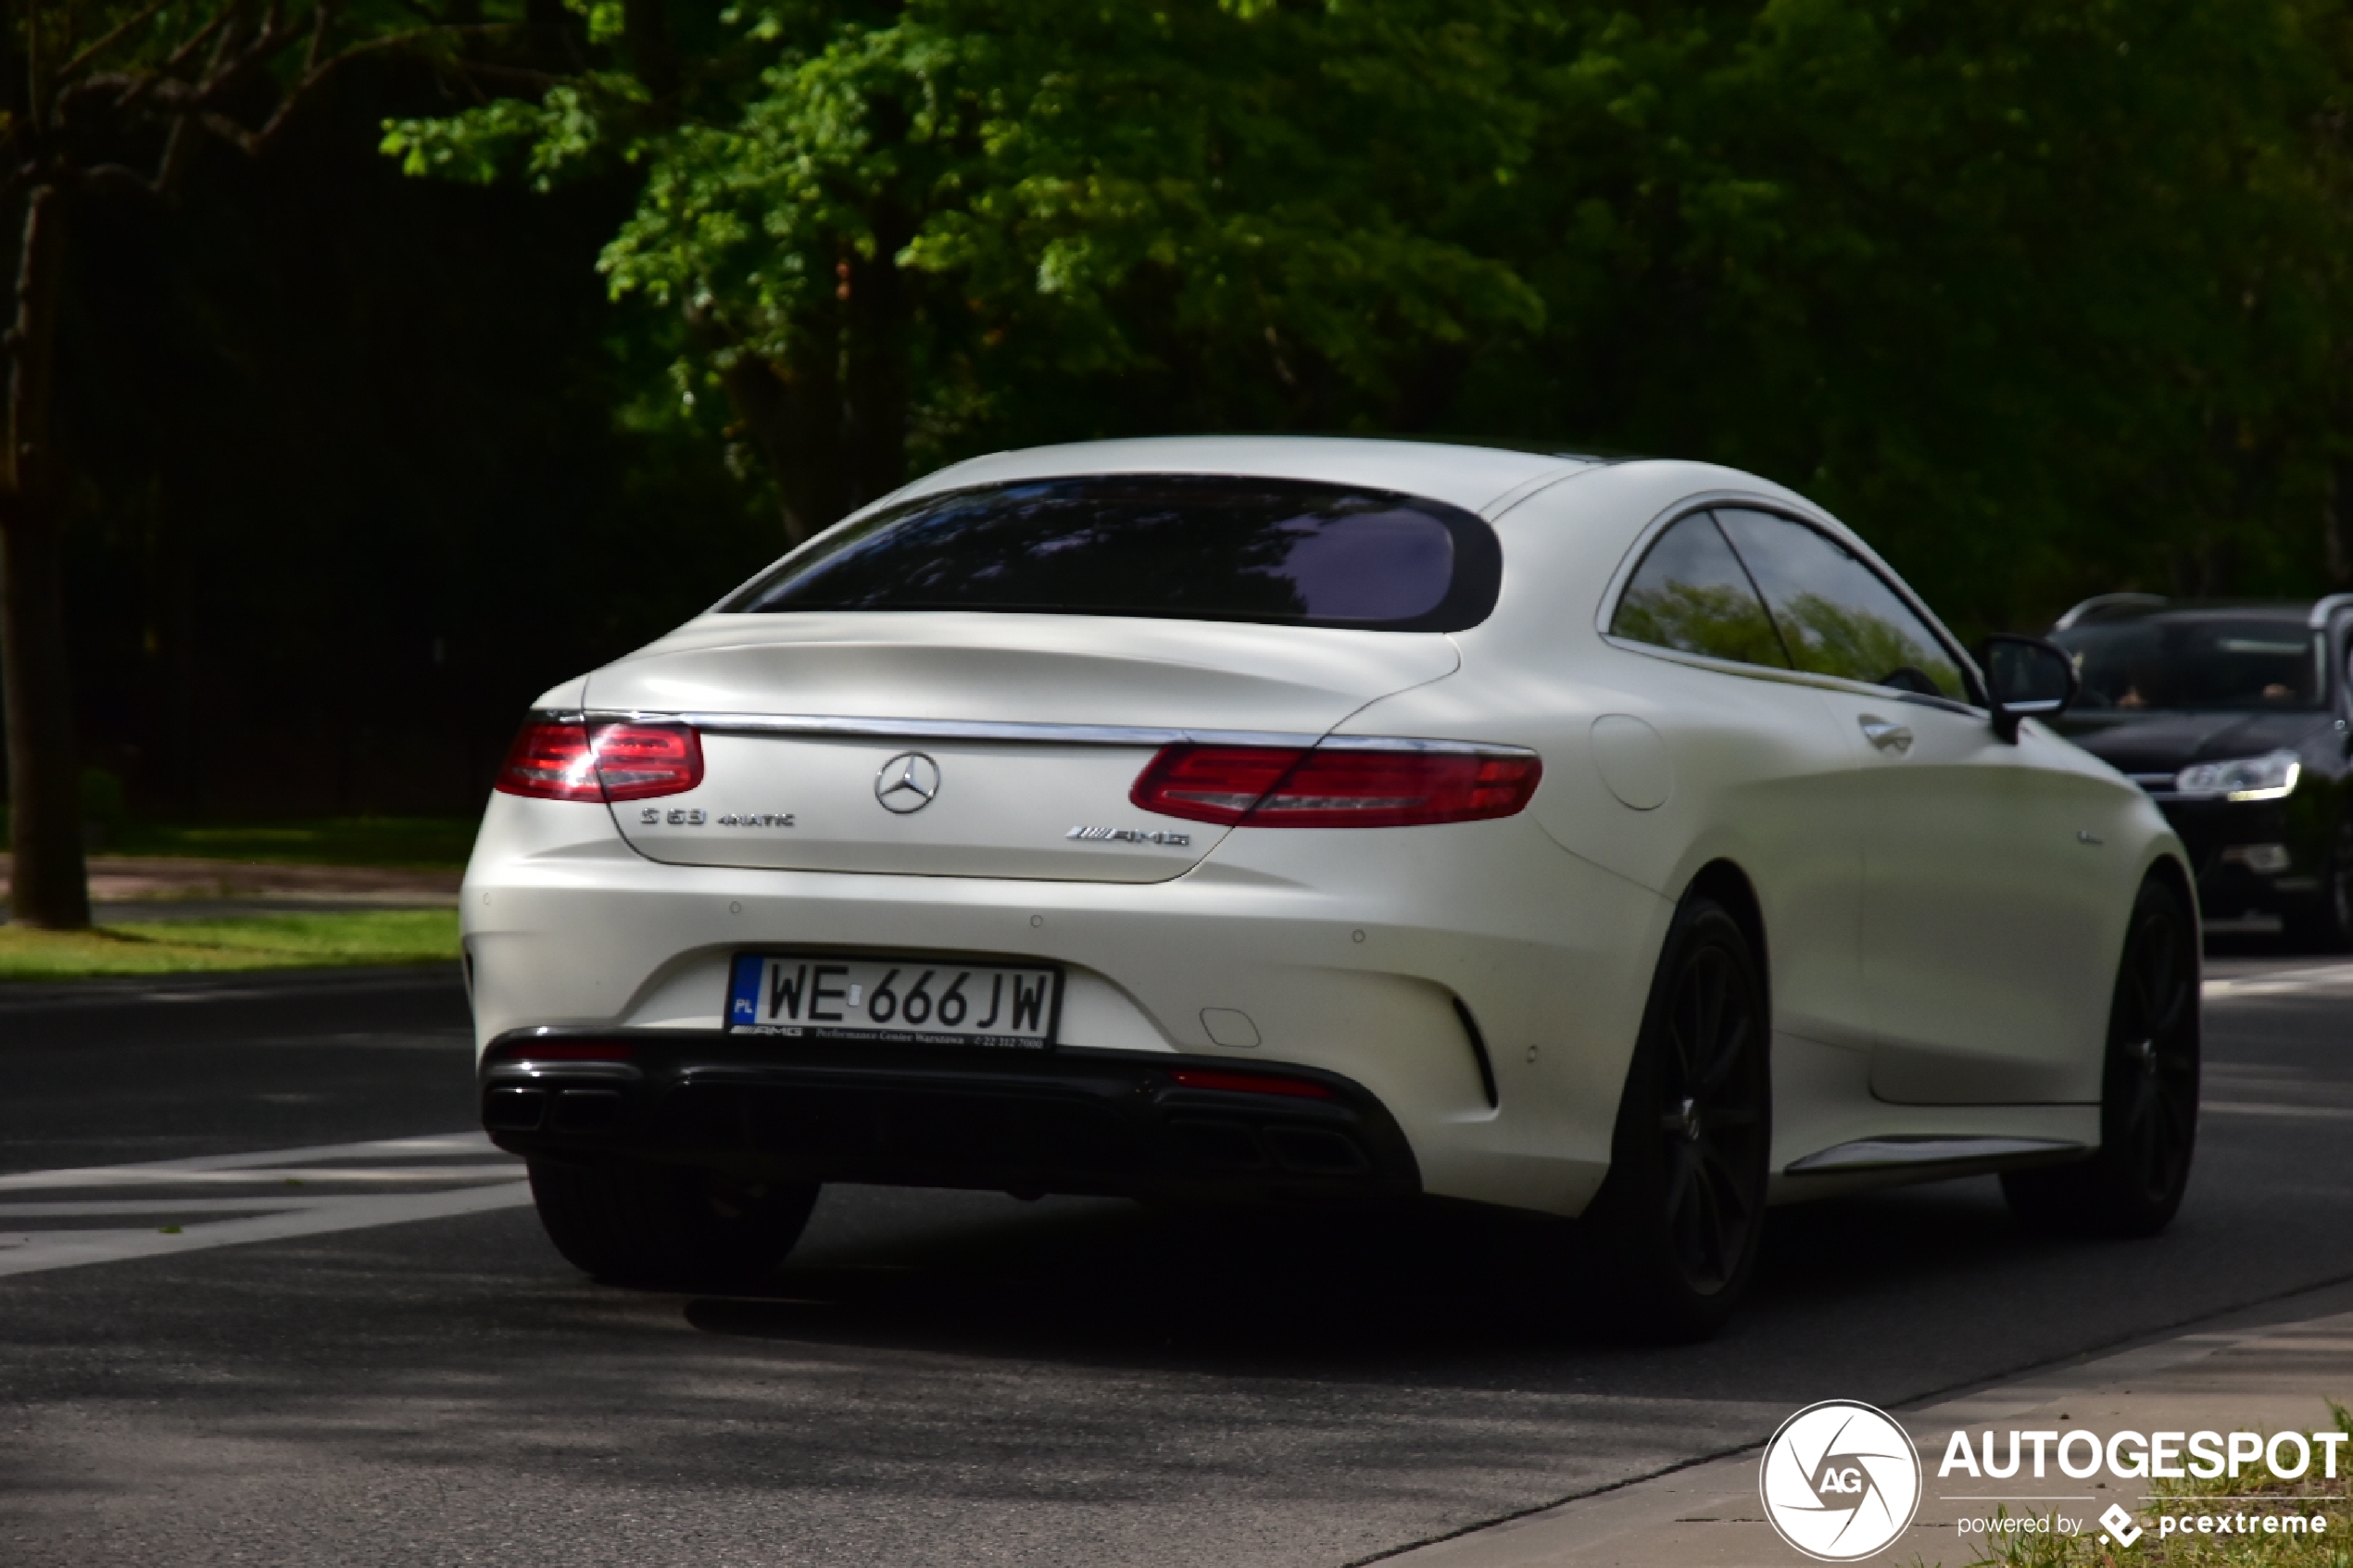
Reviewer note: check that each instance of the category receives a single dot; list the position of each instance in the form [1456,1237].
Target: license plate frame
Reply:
[787,994]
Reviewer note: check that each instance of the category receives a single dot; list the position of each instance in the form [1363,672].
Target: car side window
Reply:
[1689,594]
[1837,615]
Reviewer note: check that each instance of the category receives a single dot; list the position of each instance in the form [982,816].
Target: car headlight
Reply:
[2268,777]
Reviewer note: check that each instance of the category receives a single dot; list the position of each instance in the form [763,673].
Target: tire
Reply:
[2148,1090]
[659,1225]
[1676,1224]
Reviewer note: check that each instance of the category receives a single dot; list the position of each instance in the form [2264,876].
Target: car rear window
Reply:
[1186,546]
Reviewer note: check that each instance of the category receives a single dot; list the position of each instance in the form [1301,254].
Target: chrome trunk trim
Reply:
[1136,735]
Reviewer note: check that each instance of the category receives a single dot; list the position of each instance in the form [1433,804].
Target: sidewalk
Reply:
[2272,1368]
[135,888]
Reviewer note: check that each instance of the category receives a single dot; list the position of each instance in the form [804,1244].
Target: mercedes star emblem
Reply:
[906,782]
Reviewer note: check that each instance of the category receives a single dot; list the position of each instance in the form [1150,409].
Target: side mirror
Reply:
[2026,678]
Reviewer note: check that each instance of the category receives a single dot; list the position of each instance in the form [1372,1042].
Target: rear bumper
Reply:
[1345,963]
[1066,1120]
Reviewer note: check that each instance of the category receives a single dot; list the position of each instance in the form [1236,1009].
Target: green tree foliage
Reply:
[2031,290]
[2043,295]
[952,219]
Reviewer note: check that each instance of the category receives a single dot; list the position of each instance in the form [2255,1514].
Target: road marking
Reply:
[132,1175]
[2285,983]
[95,1207]
[441,1143]
[2249,1107]
[470,1187]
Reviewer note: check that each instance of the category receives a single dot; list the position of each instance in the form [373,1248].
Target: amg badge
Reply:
[1129,836]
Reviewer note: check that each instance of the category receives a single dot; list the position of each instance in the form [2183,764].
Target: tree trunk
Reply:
[645,36]
[791,411]
[49,883]
[2336,522]
[880,312]
[876,411]
[830,418]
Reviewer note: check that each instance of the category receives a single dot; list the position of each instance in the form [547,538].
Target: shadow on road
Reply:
[1439,1287]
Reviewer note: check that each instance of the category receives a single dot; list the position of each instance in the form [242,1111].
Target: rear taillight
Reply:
[1387,789]
[1212,784]
[551,762]
[1315,787]
[554,760]
[639,761]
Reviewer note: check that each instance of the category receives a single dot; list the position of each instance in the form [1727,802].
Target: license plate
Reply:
[906,1001]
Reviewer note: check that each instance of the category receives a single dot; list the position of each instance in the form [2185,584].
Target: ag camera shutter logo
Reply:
[1839,1481]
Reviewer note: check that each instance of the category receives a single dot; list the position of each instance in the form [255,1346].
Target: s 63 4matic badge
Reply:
[652,815]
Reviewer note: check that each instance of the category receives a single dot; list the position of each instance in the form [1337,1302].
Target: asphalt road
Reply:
[257,1334]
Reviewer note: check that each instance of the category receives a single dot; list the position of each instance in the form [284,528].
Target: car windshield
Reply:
[2201,665]
[1200,547]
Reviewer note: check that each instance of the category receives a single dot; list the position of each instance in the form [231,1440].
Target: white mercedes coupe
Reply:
[1311,821]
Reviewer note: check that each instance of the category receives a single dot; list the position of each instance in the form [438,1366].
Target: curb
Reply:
[2255,1363]
[221,985]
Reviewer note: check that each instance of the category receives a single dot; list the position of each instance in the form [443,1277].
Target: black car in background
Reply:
[2238,721]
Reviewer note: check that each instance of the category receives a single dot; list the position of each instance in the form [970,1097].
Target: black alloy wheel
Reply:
[659,1225]
[1683,1209]
[2148,1092]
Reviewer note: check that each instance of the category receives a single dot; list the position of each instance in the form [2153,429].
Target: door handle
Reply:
[1886,737]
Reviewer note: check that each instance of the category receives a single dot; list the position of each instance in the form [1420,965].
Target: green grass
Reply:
[2332,1549]
[273,941]
[323,841]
